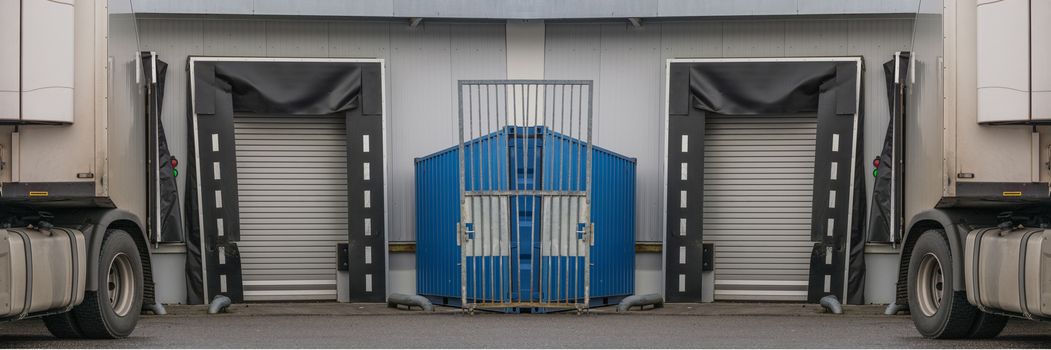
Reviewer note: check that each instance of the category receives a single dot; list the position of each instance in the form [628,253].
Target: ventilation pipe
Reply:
[395,299]
[831,304]
[219,304]
[155,308]
[641,301]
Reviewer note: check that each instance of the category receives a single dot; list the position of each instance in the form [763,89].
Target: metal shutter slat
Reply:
[759,178]
[292,194]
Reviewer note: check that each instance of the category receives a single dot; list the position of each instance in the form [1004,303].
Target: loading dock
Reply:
[292,182]
[288,162]
[758,199]
[710,101]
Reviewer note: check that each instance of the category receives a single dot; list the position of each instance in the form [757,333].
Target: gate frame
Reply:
[588,234]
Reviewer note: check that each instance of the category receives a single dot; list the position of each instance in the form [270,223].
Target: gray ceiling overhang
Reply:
[529,9]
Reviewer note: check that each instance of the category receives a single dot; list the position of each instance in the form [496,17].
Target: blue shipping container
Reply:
[502,161]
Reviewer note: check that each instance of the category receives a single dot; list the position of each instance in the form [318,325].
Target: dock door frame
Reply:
[214,262]
[835,229]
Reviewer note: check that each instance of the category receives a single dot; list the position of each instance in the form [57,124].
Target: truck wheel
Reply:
[987,325]
[113,310]
[937,310]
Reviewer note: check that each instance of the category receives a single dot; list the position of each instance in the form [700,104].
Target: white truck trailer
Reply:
[976,245]
[74,243]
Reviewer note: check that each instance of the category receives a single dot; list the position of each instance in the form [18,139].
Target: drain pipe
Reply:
[641,301]
[156,308]
[219,304]
[831,304]
[395,299]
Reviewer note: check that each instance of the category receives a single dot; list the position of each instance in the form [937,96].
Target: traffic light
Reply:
[875,167]
[175,163]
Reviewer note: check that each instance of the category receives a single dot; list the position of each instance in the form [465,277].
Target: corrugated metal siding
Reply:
[437,213]
[613,212]
[423,64]
[292,196]
[758,199]
[574,50]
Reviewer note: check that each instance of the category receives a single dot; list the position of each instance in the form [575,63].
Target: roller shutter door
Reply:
[758,183]
[292,193]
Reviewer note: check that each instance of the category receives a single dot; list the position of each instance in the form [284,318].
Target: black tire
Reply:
[63,326]
[96,316]
[987,325]
[953,316]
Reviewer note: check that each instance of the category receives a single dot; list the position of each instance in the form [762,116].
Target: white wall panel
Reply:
[174,40]
[809,38]
[360,39]
[297,39]
[421,120]
[753,39]
[691,39]
[631,78]
[876,41]
[233,37]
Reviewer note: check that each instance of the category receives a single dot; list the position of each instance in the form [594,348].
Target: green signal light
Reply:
[175,172]
[875,172]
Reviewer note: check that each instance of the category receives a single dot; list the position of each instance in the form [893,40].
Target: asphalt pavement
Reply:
[678,326]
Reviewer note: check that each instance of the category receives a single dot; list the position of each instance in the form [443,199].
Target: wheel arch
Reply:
[94,223]
[956,224]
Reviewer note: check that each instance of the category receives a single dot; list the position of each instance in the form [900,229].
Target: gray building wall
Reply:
[626,63]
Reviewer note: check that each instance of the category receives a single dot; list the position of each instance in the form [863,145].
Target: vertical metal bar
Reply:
[531,112]
[516,268]
[481,169]
[538,249]
[489,198]
[470,173]
[590,225]
[557,227]
[554,226]
[506,165]
[462,225]
[572,229]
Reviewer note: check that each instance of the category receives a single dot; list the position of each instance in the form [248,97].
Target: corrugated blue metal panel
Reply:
[613,212]
[438,209]
[560,161]
[437,212]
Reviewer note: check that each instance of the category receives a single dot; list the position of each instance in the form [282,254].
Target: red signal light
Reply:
[875,162]
[174,162]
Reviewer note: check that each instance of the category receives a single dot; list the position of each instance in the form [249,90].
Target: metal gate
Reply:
[292,194]
[525,182]
[758,199]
